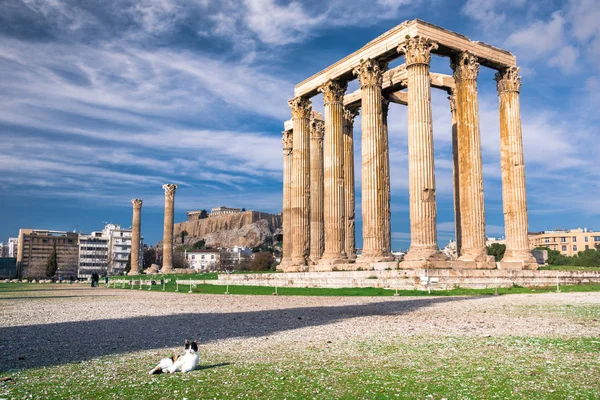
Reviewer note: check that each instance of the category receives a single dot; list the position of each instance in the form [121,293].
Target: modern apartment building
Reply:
[36,245]
[119,247]
[93,255]
[569,242]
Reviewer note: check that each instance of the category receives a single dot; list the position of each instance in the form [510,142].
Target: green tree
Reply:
[149,256]
[128,266]
[497,250]
[587,258]
[263,261]
[199,244]
[183,235]
[203,214]
[52,262]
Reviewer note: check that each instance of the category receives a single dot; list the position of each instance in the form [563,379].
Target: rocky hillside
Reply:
[248,228]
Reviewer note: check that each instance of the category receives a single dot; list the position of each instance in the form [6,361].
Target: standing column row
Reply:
[167,264]
[349,229]
[136,228]
[334,199]
[421,174]
[300,190]
[286,141]
[514,198]
[374,163]
[470,175]
[317,244]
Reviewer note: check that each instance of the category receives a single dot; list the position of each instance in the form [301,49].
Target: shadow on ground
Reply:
[58,343]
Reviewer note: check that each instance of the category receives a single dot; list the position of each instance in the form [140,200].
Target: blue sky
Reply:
[106,101]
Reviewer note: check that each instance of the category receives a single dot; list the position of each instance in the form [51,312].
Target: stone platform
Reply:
[420,279]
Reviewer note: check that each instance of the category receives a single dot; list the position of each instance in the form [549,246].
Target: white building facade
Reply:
[93,255]
[13,247]
[203,260]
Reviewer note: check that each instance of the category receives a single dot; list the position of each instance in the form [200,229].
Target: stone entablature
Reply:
[416,41]
[223,210]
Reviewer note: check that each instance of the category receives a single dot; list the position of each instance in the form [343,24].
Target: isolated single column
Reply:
[136,228]
[167,264]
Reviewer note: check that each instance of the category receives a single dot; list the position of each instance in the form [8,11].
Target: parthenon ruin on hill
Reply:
[318,153]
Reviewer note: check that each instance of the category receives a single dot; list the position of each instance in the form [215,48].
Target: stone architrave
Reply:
[317,234]
[287,142]
[455,169]
[470,175]
[136,228]
[350,229]
[421,176]
[514,196]
[375,248]
[334,199]
[167,264]
[301,108]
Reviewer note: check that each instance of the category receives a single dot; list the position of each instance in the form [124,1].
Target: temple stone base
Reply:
[517,265]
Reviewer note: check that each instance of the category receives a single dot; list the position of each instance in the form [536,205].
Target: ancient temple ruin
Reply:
[318,153]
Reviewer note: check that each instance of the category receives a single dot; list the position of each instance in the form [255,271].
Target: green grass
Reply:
[568,268]
[418,367]
[290,291]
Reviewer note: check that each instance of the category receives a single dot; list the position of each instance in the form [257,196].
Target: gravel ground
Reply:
[57,324]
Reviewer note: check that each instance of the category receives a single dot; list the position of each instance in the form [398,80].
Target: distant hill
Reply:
[247,228]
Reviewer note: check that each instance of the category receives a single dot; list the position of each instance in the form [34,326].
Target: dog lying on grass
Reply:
[185,363]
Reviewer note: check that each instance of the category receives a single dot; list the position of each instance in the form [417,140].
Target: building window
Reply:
[596,238]
[203,256]
[587,247]
[563,239]
[587,238]
[574,238]
[564,248]
[546,240]
[212,256]
[574,248]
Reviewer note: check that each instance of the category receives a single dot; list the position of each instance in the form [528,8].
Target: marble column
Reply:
[455,169]
[514,198]
[421,174]
[136,228]
[470,174]
[370,75]
[349,229]
[167,263]
[317,234]
[385,173]
[301,108]
[334,199]
[287,139]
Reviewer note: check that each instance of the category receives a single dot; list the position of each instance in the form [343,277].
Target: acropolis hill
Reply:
[245,228]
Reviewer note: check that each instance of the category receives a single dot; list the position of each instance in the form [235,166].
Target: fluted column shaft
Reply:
[287,140]
[421,176]
[300,181]
[455,177]
[350,229]
[167,265]
[514,197]
[136,228]
[317,234]
[334,214]
[470,174]
[385,173]
[375,246]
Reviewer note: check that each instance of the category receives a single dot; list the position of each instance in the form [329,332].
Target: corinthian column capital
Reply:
[287,141]
[317,128]
[508,80]
[137,204]
[333,91]
[349,114]
[370,72]
[452,98]
[300,106]
[465,66]
[170,189]
[417,50]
